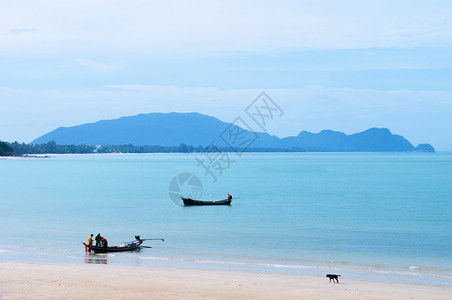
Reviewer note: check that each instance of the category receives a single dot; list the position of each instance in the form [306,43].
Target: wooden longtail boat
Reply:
[192,202]
[126,246]
[123,247]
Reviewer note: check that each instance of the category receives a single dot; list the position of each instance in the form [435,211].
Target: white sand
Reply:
[19,280]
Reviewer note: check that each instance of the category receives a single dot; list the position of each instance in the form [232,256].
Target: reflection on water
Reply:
[125,257]
[92,258]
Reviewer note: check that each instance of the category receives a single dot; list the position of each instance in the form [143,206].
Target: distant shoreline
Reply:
[50,155]
[30,156]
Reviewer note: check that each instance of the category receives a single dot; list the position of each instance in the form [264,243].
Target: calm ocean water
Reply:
[375,216]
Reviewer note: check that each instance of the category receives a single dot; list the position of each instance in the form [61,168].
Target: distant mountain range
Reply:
[173,129]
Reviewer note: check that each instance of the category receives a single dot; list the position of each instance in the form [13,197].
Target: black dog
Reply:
[333,277]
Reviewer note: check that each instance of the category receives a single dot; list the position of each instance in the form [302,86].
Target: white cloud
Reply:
[19,31]
[5,89]
[99,66]
[202,26]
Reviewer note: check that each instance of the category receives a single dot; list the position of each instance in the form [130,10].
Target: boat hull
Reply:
[112,249]
[191,202]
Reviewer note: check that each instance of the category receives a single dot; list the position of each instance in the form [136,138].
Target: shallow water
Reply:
[376,216]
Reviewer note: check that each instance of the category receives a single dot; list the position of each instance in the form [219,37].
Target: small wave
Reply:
[155,258]
[415,271]
[7,251]
[271,265]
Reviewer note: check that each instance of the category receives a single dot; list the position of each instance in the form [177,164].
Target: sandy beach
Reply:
[22,280]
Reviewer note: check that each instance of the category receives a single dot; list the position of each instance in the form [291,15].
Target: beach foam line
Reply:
[7,251]
[332,262]
[231,262]
[390,270]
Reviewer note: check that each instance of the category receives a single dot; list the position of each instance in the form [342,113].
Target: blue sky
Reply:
[344,66]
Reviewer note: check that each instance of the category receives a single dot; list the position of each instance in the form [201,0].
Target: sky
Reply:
[339,65]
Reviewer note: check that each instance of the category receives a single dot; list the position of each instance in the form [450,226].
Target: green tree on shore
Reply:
[5,149]
[53,148]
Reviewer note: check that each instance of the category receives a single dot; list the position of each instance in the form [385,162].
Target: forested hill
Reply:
[194,129]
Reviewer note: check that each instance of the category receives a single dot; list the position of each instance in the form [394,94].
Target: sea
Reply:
[377,216]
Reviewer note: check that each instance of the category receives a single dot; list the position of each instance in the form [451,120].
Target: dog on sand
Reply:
[333,277]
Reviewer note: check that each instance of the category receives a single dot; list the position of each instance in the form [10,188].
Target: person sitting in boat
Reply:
[104,242]
[90,240]
[229,196]
[98,239]
[137,237]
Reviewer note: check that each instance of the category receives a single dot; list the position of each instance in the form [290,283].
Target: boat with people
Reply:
[125,246]
[194,202]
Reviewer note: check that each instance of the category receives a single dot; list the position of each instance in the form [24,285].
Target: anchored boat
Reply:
[192,202]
